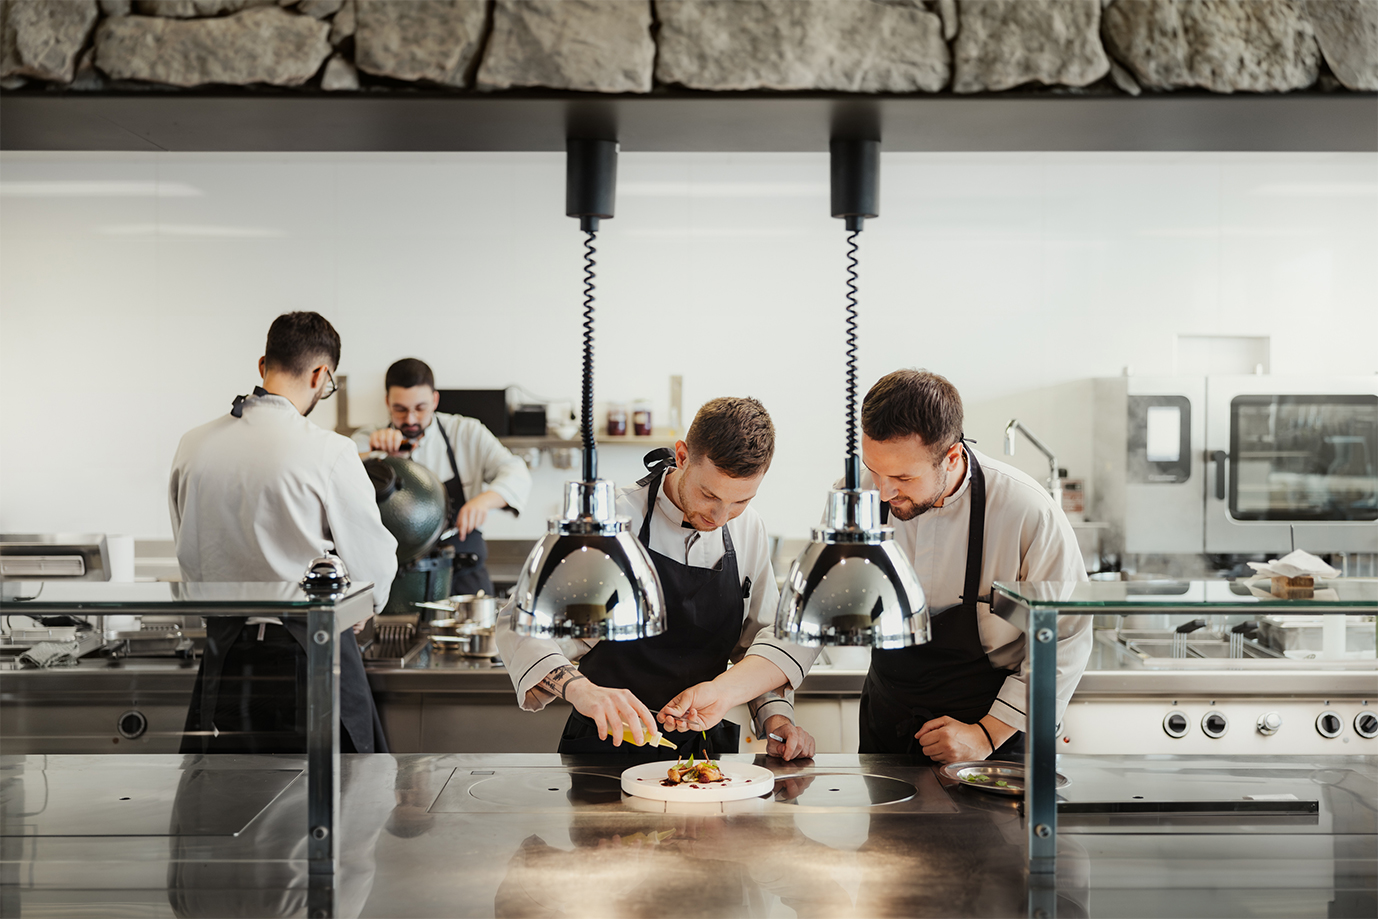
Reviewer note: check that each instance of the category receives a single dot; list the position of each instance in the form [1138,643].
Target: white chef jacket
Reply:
[257,498]
[484,463]
[530,659]
[1027,538]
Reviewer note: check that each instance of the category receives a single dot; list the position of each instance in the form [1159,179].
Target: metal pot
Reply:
[464,638]
[480,609]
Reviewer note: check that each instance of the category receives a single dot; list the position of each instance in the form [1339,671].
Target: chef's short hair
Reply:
[298,341]
[735,434]
[910,402]
[409,372]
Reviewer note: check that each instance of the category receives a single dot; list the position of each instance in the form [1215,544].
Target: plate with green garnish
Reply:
[993,776]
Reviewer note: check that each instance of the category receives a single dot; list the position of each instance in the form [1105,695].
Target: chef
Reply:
[964,521]
[478,472]
[256,495]
[712,554]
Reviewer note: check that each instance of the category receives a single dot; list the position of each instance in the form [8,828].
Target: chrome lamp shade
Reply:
[852,585]
[589,577]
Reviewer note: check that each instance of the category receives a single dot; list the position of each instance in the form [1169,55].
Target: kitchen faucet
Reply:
[1054,480]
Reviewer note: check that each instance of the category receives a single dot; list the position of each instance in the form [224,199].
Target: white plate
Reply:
[994,776]
[747,781]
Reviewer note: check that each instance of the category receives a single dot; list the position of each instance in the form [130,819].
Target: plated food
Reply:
[704,772]
[993,776]
[698,780]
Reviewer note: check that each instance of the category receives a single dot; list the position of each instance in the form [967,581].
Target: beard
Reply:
[908,510]
[693,520]
[410,431]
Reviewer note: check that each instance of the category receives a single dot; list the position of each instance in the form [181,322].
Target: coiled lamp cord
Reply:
[590,445]
[853,470]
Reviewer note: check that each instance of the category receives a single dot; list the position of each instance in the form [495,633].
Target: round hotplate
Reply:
[548,789]
[837,789]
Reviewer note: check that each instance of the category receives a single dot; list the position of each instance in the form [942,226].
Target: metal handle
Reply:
[1220,456]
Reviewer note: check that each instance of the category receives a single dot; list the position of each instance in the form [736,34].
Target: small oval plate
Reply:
[993,776]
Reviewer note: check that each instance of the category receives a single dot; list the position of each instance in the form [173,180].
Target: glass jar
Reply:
[617,419]
[641,418]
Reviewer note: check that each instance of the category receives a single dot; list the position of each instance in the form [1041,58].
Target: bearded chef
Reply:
[257,495]
[479,474]
[964,521]
[712,554]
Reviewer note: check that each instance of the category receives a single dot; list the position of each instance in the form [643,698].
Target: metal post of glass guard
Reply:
[1040,757]
[322,756]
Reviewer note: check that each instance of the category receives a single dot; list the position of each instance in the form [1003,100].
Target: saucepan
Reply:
[462,637]
[480,609]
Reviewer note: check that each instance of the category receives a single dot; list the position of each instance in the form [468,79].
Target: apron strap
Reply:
[657,461]
[654,480]
[237,406]
[456,492]
[976,533]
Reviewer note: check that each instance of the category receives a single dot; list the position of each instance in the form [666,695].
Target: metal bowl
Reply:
[993,776]
[480,609]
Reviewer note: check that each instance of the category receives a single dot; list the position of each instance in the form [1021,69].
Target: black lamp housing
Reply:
[590,181]
[855,174]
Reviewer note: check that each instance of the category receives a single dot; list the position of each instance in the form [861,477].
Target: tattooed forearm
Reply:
[556,683]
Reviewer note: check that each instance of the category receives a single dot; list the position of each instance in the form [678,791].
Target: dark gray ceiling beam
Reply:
[1338,122]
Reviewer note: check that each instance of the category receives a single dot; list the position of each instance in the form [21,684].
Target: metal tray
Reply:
[1012,774]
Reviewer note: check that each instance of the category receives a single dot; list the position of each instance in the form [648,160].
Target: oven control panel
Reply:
[1239,726]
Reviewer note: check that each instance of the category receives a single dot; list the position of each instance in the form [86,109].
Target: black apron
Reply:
[949,675]
[471,552]
[252,692]
[703,611]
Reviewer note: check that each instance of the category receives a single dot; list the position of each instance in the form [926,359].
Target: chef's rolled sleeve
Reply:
[529,659]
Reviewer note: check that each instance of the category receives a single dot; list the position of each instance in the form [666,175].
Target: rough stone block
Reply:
[191,9]
[342,26]
[1347,31]
[1222,45]
[116,7]
[44,38]
[320,9]
[434,40]
[339,75]
[589,45]
[847,45]
[261,45]
[1006,43]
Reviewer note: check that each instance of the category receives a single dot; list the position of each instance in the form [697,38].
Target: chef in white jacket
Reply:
[479,474]
[256,495]
[964,521]
[712,555]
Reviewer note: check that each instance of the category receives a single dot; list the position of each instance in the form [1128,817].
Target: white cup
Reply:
[120,552]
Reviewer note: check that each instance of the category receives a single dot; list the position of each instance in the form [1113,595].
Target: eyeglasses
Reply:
[331,388]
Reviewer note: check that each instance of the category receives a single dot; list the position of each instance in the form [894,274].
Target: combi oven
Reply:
[1233,464]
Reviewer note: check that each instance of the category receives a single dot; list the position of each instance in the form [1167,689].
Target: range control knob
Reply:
[1269,722]
[1366,724]
[1329,724]
[1215,724]
[1176,724]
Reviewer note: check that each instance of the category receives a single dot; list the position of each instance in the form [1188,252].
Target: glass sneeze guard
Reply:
[1035,607]
[326,616]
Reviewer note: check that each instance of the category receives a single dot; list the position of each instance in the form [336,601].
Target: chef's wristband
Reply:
[988,737]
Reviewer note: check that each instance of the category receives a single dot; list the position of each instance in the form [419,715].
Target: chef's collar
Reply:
[237,406]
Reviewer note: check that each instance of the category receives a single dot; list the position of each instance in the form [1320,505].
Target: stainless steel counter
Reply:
[538,835]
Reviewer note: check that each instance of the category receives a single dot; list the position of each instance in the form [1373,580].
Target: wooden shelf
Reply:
[660,438]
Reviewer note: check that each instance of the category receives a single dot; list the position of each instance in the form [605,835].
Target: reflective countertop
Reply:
[545,836]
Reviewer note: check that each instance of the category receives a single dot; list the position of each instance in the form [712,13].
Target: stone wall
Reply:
[641,46]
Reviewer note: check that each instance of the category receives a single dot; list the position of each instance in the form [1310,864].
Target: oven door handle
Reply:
[1220,457]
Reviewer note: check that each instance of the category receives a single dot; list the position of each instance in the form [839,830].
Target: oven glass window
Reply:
[1304,457]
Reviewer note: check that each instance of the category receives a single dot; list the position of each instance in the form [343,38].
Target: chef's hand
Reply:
[798,743]
[947,740]
[475,511]
[359,626]
[698,708]
[609,709]
[389,440]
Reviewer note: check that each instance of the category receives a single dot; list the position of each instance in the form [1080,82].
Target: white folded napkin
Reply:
[1294,564]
